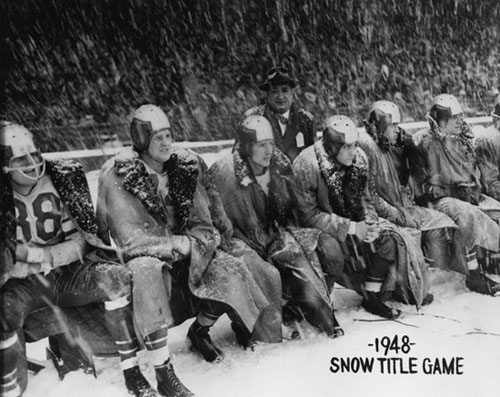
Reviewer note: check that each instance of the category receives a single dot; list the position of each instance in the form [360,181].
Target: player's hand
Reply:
[373,232]
[181,245]
[359,229]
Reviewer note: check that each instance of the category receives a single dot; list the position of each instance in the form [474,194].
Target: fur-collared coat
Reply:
[266,222]
[300,131]
[130,211]
[70,182]
[449,181]
[330,196]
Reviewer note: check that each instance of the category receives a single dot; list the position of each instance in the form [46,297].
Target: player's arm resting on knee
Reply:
[181,245]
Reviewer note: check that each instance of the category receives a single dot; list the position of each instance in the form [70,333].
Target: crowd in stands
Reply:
[71,70]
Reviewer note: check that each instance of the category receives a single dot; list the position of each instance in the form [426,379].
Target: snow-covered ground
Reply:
[459,325]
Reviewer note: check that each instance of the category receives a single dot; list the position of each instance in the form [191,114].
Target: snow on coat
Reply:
[330,196]
[130,211]
[266,222]
[394,202]
[450,183]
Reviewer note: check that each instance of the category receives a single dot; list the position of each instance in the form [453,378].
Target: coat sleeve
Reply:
[101,210]
[382,207]
[216,206]
[487,162]
[420,175]
[200,230]
[122,217]
[366,198]
[306,188]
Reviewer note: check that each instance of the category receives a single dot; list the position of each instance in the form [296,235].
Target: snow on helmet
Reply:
[146,121]
[390,109]
[340,129]
[252,129]
[496,108]
[16,142]
[444,106]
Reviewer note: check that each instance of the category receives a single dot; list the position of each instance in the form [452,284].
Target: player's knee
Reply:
[330,254]
[114,279]
[387,247]
[13,313]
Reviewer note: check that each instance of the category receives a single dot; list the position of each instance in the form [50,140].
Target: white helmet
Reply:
[341,129]
[255,128]
[444,106]
[252,129]
[146,121]
[388,108]
[16,142]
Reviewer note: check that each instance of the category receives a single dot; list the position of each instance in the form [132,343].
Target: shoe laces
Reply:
[138,382]
[173,381]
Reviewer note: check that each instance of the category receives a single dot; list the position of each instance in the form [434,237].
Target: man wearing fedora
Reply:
[293,128]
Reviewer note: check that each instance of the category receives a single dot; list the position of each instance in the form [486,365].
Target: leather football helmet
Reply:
[146,121]
[18,151]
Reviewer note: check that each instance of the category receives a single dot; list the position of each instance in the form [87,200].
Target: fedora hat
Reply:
[277,76]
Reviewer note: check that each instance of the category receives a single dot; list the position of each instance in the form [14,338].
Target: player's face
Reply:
[280,98]
[262,152]
[26,170]
[453,125]
[346,153]
[160,147]
[391,133]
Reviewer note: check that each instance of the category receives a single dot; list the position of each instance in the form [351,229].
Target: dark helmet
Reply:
[146,121]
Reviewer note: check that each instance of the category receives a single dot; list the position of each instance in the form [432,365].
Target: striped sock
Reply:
[206,319]
[157,339]
[372,285]
[160,356]
[9,386]
[156,344]
[120,324]
[471,258]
